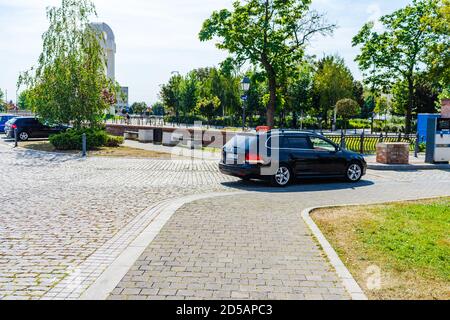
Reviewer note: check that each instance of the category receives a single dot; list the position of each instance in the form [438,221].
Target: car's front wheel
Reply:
[24,136]
[283,176]
[354,172]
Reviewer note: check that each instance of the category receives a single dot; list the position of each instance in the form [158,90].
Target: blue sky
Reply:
[155,37]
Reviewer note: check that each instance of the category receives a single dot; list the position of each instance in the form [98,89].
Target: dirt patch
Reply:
[122,151]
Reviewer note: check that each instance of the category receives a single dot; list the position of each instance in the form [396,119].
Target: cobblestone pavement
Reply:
[57,211]
[63,221]
[256,245]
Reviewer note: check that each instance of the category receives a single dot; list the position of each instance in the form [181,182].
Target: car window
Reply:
[4,118]
[276,142]
[32,122]
[320,144]
[241,142]
[298,143]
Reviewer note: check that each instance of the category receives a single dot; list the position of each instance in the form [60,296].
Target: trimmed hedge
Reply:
[95,138]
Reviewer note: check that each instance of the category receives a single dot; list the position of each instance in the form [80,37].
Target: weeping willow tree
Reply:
[69,83]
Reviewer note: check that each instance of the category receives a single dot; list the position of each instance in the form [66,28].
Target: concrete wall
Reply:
[210,138]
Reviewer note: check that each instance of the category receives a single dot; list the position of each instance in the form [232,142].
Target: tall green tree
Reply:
[255,105]
[358,93]
[299,97]
[382,105]
[24,101]
[425,97]
[188,93]
[271,34]
[69,84]
[347,108]
[208,107]
[158,109]
[139,107]
[403,48]
[170,95]
[333,81]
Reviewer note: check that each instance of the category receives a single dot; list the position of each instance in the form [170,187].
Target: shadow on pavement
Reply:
[301,185]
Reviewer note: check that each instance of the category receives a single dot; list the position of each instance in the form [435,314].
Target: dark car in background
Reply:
[30,127]
[4,118]
[282,156]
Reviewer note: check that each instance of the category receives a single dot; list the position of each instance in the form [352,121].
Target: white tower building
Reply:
[109,45]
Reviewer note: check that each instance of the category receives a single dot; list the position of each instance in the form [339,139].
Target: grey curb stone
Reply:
[407,167]
[344,274]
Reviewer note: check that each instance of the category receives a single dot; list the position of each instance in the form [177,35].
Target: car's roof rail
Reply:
[294,131]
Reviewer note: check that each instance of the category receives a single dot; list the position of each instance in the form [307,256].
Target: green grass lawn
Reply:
[412,236]
[409,241]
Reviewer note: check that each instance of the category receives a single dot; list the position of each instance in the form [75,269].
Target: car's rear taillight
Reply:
[254,159]
[14,126]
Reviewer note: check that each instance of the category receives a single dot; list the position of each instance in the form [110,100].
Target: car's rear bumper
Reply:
[9,134]
[240,171]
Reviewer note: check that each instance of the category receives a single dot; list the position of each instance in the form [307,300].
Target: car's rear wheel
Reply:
[282,177]
[24,136]
[354,172]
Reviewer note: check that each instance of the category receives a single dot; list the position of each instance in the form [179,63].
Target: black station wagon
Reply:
[29,127]
[282,156]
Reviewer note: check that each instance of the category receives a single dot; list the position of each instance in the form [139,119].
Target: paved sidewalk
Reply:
[176,151]
[415,164]
[64,219]
[256,245]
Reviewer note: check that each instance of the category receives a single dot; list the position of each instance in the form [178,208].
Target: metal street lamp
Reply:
[177,111]
[245,87]
[245,84]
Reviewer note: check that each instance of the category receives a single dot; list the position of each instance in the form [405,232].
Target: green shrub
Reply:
[114,142]
[423,147]
[359,124]
[95,138]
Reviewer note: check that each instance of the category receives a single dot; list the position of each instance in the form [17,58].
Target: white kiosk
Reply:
[438,140]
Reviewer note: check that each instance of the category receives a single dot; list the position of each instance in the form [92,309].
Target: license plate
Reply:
[231,157]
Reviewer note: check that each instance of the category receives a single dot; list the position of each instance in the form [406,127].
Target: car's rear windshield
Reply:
[241,142]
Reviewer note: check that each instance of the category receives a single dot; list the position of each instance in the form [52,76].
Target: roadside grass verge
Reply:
[121,151]
[409,242]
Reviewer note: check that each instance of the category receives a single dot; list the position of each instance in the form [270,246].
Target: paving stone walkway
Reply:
[256,246]
[63,219]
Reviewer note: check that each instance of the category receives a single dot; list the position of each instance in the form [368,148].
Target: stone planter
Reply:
[145,136]
[393,153]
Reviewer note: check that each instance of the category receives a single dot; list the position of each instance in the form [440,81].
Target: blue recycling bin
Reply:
[422,124]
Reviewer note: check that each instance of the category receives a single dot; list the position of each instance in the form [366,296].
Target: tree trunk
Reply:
[272,101]
[271,74]
[294,120]
[409,107]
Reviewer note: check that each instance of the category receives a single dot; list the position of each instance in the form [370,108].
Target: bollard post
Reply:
[416,148]
[84,145]
[343,142]
[15,138]
[362,142]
